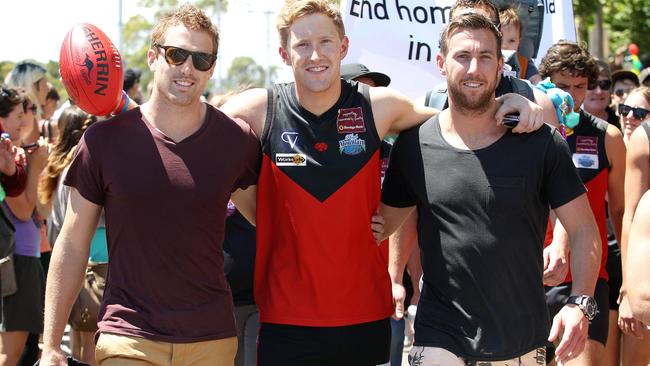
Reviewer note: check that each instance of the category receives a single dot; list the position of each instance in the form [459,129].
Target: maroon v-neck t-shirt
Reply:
[165,205]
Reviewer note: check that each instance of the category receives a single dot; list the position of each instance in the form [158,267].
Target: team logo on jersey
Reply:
[321,146]
[352,144]
[290,138]
[290,159]
[350,120]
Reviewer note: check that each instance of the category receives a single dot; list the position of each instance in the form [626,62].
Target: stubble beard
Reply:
[472,105]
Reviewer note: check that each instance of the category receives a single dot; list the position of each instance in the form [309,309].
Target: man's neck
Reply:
[176,122]
[468,130]
[318,102]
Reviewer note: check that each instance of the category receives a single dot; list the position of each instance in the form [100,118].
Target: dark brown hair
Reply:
[468,21]
[571,57]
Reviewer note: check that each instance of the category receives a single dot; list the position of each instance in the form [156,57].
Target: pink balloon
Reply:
[633,48]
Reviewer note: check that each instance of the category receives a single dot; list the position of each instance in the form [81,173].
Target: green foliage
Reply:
[54,77]
[5,68]
[244,72]
[627,21]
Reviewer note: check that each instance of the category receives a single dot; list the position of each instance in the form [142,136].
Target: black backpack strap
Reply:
[437,98]
[523,88]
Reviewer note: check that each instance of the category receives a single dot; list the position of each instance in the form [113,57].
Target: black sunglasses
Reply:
[177,56]
[637,113]
[603,84]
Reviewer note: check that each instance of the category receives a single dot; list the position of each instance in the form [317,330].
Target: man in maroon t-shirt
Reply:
[163,173]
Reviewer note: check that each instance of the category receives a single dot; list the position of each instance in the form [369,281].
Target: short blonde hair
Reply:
[294,9]
[192,18]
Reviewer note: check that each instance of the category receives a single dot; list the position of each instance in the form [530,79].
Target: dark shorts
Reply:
[557,296]
[615,273]
[23,311]
[366,344]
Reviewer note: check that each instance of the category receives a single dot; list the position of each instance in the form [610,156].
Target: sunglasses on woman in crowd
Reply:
[637,112]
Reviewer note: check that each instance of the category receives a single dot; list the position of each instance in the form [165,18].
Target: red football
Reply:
[91,69]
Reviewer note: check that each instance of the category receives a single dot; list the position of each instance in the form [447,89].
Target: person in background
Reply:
[644,77]
[598,154]
[634,112]
[48,126]
[638,270]
[132,84]
[512,28]
[599,96]
[399,327]
[32,77]
[52,193]
[13,177]
[22,312]
[622,82]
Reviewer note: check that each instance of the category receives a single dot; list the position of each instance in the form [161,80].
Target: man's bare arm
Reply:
[550,116]
[570,322]
[246,202]
[69,260]
[638,271]
[615,149]
[637,181]
[249,105]
[401,246]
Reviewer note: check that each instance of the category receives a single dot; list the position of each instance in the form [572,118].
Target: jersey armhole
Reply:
[365,92]
[270,113]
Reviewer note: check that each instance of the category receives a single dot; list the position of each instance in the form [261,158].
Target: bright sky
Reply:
[35,28]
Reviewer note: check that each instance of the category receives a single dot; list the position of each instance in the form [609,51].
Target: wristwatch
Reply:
[586,303]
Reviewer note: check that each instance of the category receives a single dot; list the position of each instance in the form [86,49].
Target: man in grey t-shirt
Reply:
[483,196]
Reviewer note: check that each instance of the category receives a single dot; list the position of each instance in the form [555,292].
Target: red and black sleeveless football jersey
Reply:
[317,262]
[587,144]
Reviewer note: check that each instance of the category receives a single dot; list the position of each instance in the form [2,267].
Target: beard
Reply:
[472,105]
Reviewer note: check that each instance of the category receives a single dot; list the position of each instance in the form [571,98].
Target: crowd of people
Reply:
[331,220]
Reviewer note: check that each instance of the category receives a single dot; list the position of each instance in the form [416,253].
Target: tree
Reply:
[244,72]
[625,20]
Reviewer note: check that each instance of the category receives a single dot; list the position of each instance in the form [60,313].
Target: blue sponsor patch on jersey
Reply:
[352,144]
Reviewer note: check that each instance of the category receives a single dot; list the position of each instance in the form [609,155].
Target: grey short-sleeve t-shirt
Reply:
[482,216]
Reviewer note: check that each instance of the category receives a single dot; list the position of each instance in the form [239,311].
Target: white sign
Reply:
[400,37]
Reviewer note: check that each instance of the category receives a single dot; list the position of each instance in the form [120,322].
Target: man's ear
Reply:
[285,56]
[440,63]
[501,63]
[345,44]
[151,59]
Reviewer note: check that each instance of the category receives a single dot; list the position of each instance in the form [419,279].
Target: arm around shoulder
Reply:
[395,112]
[249,105]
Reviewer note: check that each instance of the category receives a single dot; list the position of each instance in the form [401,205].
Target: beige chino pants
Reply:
[120,350]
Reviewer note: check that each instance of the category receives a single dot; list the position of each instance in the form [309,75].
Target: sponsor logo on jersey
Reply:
[290,138]
[585,161]
[350,120]
[586,144]
[321,146]
[352,144]
[290,159]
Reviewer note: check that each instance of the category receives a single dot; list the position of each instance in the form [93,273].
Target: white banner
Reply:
[400,37]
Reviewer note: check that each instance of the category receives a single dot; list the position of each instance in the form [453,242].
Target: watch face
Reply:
[590,307]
